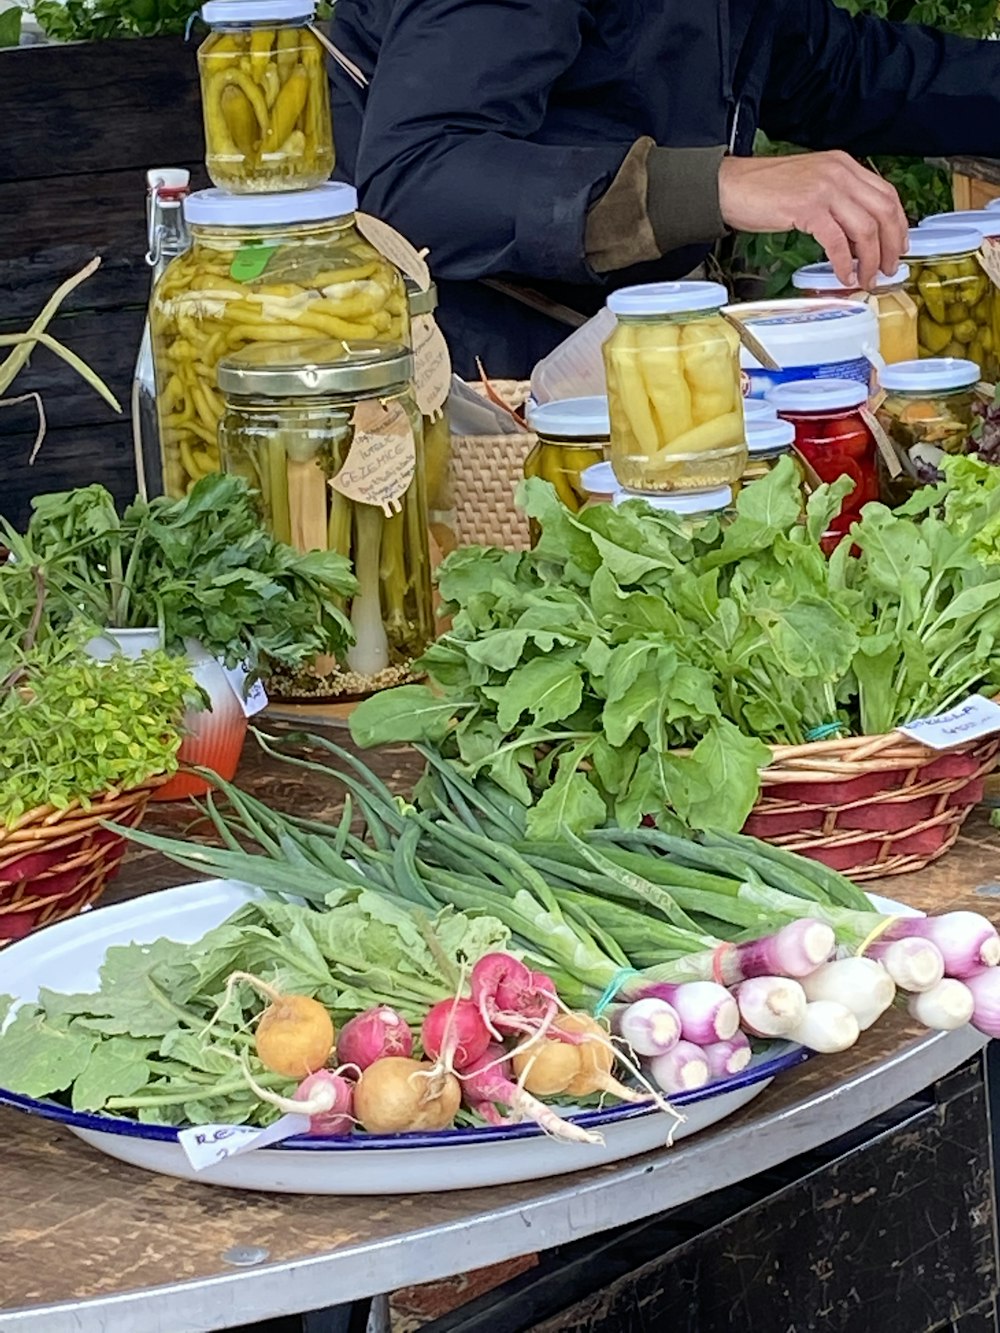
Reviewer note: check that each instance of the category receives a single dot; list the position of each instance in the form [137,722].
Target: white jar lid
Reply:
[216,208]
[256,11]
[681,502]
[571,418]
[933,372]
[599,479]
[765,436]
[938,242]
[758,409]
[987,223]
[668,298]
[817,395]
[801,332]
[821,278]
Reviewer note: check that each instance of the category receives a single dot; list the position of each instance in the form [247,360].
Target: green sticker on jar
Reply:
[251,260]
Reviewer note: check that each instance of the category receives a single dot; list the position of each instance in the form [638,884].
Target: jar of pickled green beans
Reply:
[329,434]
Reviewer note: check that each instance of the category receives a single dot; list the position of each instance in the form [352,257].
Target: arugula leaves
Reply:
[629,664]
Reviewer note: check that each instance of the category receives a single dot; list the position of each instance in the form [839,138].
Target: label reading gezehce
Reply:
[968,721]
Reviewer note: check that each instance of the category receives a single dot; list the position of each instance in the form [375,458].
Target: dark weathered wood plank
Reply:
[68,458]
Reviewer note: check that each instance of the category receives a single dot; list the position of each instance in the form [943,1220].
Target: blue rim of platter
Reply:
[763,1067]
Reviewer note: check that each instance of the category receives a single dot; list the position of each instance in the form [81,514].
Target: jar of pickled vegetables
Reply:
[264,97]
[673,375]
[832,436]
[572,436]
[261,268]
[767,441]
[599,483]
[692,508]
[897,314]
[437,444]
[315,426]
[757,409]
[927,412]
[954,296]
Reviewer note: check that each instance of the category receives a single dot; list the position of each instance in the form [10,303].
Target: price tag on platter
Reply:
[382,458]
[396,248]
[207,1145]
[969,721]
[254,699]
[431,365]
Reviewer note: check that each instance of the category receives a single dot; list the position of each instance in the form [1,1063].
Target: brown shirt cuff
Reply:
[661,200]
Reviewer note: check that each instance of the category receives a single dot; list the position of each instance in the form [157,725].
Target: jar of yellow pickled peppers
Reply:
[261,269]
[896,311]
[572,435]
[674,397]
[290,418]
[264,96]
[954,296]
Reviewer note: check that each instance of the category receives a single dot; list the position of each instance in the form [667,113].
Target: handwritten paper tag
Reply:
[989,259]
[884,444]
[968,721]
[382,458]
[207,1145]
[253,699]
[753,344]
[431,365]
[396,248]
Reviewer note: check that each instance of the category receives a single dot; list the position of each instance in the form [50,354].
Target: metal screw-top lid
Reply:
[421,302]
[314,369]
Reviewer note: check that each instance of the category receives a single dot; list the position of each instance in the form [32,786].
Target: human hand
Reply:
[855,215]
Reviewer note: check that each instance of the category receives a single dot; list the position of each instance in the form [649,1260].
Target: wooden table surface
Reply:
[83,1237]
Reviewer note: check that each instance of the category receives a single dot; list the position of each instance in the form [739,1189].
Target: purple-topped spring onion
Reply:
[985,988]
[725,1058]
[650,1026]
[827,1027]
[681,1070]
[914,964]
[967,940]
[945,1007]
[371,1035]
[771,1006]
[860,984]
[487,1083]
[794,951]
[707,1010]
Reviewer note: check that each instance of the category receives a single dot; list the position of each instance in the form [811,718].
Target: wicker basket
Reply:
[870,806]
[486,470]
[54,862]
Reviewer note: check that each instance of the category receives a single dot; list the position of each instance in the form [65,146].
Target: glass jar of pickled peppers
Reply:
[832,436]
[693,509]
[264,96]
[261,268]
[955,297]
[927,412]
[767,442]
[674,397]
[288,425]
[437,447]
[572,435]
[897,314]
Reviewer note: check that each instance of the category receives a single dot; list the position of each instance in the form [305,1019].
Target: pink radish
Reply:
[372,1035]
[487,1082]
[327,1099]
[454,1034]
[510,997]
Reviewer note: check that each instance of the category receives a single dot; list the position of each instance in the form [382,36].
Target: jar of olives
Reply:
[833,437]
[673,375]
[897,314]
[572,435]
[261,269]
[329,434]
[927,412]
[264,96]
[953,294]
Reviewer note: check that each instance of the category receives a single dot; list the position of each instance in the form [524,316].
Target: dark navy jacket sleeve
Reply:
[868,86]
[451,149]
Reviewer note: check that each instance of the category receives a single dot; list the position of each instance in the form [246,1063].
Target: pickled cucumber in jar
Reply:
[265,97]
[674,397]
[927,412]
[261,269]
[955,299]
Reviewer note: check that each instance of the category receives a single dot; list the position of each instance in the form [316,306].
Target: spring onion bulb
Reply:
[707,1010]
[914,964]
[827,1027]
[860,984]
[728,1057]
[771,1006]
[681,1070]
[794,951]
[369,654]
[967,940]
[650,1026]
[945,1007]
[985,988]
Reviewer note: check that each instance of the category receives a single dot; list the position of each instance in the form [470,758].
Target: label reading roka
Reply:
[968,721]
[207,1145]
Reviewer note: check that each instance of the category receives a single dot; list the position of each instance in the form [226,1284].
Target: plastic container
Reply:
[288,425]
[955,298]
[572,436]
[832,436]
[820,339]
[261,268]
[897,314]
[600,484]
[927,412]
[693,508]
[437,449]
[767,442]
[674,388]
[265,97]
